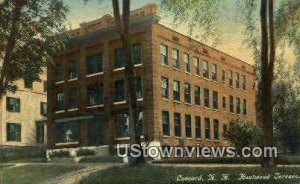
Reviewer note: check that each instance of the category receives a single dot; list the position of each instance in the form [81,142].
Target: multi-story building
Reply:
[187,91]
[23,114]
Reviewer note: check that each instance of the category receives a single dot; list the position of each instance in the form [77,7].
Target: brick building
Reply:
[187,91]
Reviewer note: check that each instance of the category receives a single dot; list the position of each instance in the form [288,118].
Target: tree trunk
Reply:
[124,28]
[267,59]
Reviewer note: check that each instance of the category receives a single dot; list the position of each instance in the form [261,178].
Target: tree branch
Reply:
[117,16]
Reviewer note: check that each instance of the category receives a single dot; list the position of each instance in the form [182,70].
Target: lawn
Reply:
[33,174]
[157,174]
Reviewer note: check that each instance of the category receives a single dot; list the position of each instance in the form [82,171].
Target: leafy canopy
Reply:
[31,32]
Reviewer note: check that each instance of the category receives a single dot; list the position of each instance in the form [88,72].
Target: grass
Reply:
[33,174]
[29,160]
[99,159]
[157,174]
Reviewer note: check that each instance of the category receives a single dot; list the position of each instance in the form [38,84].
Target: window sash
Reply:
[187,93]
[197,95]
[177,124]
[207,128]
[165,87]
[206,98]
[175,57]
[188,126]
[94,64]
[198,127]
[119,91]
[216,129]
[166,123]
[215,100]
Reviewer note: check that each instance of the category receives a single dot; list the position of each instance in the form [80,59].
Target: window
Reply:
[207,128]
[215,100]
[214,72]
[67,132]
[230,77]
[231,104]
[43,109]
[164,54]
[60,102]
[13,132]
[176,90]
[177,124]
[216,129]
[206,98]
[60,74]
[13,104]
[224,102]
[188,125]
[95,95]
[197,65]
[122,122]
[137,54]
[138,87]
[244,107]
[205,70]
[244,82]
[72,70]
[119,91]
[197,95]
[225,128]
[165,88]
[186,60]
[166,123]
[40,132]
[45,86]
[175,58]
[223,75]
[237,82]
[94,64]
[119,60]
[73,98]
[238,106]
[187,93]
[198,126]
[28,83]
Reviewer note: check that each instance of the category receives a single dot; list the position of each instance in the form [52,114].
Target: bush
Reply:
[242,134]
[85,152]
[59,154]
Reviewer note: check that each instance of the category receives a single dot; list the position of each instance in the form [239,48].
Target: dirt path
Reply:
[76,176]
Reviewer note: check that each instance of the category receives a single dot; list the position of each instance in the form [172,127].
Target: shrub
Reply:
[242,134]
[59,154]
[85,152]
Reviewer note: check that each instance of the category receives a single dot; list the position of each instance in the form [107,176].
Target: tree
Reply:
[286,108]
[242,133]
[276,28]
[123,27]
[27,41]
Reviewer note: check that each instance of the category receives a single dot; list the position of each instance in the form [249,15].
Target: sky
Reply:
[231,34]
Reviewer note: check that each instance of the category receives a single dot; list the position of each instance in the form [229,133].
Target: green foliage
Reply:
[31,32]
[242,134]
[59,154]
[85,152]
[286,100]
[200,16]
